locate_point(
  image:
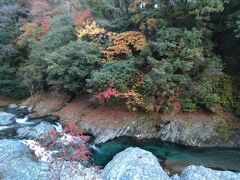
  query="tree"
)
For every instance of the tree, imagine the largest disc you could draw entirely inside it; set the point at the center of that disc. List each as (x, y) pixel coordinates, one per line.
(10, 84)
(112, 74)
(116, 79)
(178, 64)
(70, 65)
(62, 32)
(90, 31)
(10, 21)
(129, 42)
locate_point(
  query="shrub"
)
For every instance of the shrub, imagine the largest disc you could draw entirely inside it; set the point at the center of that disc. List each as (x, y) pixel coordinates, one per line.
(225, 129)
(112, 74)
(70, 65)
(68, 145)
(226, 92)
(188, 105)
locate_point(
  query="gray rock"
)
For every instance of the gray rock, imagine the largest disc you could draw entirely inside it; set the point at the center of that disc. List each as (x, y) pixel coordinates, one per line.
(50, 119)
(201, 173)
(19, 112)
(75, 171)
(8, 131)
(12, 106)
(39, 131)
(16, 162)
(140, 128)
(173, 128)
(6, 119)
(134, 163)
(192, 134)
(196, 133)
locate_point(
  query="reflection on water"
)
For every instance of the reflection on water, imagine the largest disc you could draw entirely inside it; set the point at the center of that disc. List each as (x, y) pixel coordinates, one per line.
(174, 157)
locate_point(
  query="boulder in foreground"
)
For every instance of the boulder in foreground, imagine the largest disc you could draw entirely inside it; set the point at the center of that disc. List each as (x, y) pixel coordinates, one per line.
(134, 163)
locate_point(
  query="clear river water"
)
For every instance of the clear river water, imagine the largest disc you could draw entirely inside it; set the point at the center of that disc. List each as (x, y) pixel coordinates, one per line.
(172, 157)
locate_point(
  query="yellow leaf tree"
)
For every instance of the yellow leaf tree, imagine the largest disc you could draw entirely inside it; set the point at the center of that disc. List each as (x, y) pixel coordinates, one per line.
(124, 43)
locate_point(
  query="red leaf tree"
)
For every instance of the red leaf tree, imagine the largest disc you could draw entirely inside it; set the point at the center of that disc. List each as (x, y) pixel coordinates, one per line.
(82, 16)
(106, 95)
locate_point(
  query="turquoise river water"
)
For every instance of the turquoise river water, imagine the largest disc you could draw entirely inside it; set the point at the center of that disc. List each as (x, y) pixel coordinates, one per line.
(171, 156)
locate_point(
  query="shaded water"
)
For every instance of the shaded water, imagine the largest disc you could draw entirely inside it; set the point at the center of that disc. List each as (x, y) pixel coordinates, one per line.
(173, 157)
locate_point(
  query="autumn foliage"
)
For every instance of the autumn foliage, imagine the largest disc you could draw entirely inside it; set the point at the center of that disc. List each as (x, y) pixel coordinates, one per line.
(91, 31)
(38, 7)
(83, 16)
(29, 30)
(106, 95)
(131, 97)
(72, 144)
(45, 23)
(124, 43)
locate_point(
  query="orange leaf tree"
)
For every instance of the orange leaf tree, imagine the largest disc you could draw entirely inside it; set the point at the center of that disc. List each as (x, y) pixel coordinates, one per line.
(124, 43)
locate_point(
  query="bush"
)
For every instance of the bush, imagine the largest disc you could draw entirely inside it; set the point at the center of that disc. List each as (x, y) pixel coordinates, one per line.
(225, 129)
(117, 74)
(188, 105)
(70, 65)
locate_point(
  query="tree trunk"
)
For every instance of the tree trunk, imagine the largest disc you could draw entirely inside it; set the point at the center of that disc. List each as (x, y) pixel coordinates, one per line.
(122, 4)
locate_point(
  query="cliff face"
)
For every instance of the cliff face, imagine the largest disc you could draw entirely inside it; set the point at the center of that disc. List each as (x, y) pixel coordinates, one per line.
(193, 129)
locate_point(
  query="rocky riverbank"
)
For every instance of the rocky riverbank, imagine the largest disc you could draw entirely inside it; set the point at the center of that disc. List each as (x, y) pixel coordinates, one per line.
(202, 129)
(22, 157)
(17, 161)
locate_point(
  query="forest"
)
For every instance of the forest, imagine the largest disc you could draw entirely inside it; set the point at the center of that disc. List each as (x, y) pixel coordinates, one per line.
(148, 55)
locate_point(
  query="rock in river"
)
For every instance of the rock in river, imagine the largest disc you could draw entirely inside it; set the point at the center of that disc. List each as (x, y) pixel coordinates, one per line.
(39, 131)
(134, 163)
(16, 162)
(6, 119)
(201, 173)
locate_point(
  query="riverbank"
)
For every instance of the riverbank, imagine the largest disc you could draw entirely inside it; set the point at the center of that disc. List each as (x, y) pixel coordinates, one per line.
(23, 156)
(200, 128)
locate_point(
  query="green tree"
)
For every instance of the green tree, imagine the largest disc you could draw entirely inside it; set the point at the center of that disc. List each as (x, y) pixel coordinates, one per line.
(178, 64)
(61, 33)
(70, 65)
(11, 19)
(117, 74)
(10, 84)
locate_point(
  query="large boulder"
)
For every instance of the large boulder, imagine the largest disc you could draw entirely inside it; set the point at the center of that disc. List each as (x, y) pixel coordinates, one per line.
(75, 171)
(201, 173)
(6, 119)
(134, 163)
(40, 131)
(16, 162)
